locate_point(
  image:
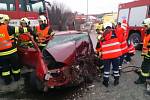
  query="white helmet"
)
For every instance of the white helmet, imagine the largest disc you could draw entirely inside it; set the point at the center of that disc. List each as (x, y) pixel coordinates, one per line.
(6, 18)
(107, 25)
(146, 22)
(3, 18)
(25, 20)
(43, 19)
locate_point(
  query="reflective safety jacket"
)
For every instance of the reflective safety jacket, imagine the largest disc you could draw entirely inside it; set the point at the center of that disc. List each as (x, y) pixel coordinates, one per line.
(120, 32)
(42, 34)
(5, 41)
(146, 45)
(131, 49)
(111, 47)
(17, 30)
(6, 46)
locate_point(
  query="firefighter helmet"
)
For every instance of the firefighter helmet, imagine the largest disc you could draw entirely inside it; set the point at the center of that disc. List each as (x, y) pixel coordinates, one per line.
(107, 25)
(25, 20)
(146, 22)
(2, 18)
(43, 19)
(6, 18)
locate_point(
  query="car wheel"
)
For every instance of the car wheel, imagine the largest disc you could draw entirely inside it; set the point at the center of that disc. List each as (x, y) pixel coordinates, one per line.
(76, 71)
(86, 74)
(35, 83)
(136, 39)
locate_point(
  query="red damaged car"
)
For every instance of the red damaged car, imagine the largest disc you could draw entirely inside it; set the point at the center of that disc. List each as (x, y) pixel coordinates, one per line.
(67, 60)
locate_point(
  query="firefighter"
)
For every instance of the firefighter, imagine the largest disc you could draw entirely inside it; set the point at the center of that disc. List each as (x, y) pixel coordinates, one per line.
(99, 27)
(44, 32)
(24, 32)
(109, 51)
(8, 53)
(120, 32)
(145, 67)
(99, 61)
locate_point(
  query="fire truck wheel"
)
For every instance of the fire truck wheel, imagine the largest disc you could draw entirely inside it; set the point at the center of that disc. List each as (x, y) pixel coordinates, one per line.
(135, 38)
(36, 83)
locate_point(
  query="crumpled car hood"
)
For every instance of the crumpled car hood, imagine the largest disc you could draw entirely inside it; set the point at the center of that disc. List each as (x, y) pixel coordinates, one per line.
(61, 52)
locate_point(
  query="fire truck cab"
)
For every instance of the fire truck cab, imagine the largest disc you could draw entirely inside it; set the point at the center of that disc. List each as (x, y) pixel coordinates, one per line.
(134, 12)
(18, 9)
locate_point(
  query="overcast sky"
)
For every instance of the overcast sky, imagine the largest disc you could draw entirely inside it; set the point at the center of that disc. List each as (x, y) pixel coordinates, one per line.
(95, 6)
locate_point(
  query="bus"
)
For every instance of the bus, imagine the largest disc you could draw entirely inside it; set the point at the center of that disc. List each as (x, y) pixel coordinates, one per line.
(17, 9)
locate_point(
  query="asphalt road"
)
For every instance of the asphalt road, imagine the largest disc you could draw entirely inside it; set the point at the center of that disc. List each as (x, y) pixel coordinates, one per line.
(126, 90)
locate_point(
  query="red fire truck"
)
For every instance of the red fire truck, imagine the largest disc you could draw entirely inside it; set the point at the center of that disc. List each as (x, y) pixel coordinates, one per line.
(134, 12)
(18, 9)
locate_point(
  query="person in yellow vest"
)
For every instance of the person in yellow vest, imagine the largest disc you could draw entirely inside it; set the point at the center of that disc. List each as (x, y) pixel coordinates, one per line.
(22, 31)
(8, 53)
(44, 32)
(99, 28)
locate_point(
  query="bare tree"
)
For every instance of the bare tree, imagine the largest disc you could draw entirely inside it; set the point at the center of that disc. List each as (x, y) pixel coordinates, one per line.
(60, 16)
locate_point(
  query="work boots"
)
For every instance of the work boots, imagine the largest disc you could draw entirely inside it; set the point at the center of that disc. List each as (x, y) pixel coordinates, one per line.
(140, 80)
(116, 81)
(105, 83)
(7, 80)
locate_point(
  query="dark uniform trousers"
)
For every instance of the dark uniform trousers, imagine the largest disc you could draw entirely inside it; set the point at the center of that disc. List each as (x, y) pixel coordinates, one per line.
(145, 67)
(10, 65)
(107, 67)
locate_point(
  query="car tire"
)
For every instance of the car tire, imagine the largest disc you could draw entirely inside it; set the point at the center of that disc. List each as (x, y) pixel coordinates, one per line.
(136, 39)
(78, 76)
(35, 83)
(87, 76)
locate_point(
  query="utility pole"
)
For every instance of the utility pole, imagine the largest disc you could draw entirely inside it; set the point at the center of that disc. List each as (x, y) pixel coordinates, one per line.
(87, 10)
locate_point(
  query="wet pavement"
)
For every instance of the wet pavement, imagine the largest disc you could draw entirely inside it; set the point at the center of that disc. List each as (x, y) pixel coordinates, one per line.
(126, 90)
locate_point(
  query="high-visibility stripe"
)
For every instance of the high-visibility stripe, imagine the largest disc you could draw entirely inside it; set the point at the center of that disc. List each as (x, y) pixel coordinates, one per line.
(116, 72)
(111, 51)
(124, 48)
(25, 29)
(5, 44)
(8, 52)
(42, 44)
(106, 72)
(16, 71)
(112, 44)
(16, 29)
(147, 56)
(145, 74)
(6, 73)
(116, 75)
(133, 51)
(106, 76)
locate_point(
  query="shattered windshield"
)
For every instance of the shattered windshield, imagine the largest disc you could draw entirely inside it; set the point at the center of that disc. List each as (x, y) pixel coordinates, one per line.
(60, 39)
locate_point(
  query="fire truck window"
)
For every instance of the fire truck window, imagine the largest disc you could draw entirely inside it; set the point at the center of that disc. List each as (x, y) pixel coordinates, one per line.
(38, 7)
(22, 5)
(8, 5)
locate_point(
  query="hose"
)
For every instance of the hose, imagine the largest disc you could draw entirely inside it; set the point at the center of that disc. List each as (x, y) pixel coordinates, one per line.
(134, 68)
